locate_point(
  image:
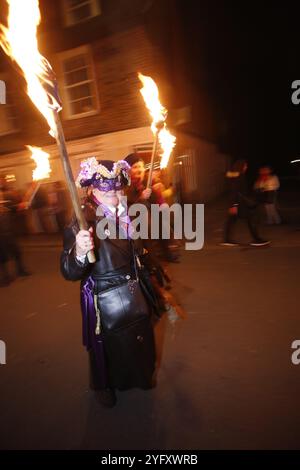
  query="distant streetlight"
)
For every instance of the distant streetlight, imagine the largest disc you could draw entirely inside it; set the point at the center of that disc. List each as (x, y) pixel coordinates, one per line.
(295, 161)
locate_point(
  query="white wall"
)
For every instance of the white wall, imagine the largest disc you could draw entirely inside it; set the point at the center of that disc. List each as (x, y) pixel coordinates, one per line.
(113, 146)
(203, 167)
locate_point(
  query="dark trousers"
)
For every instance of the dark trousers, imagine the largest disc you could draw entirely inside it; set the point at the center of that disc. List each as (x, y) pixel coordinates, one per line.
(249, 217)
(9, 249)
(15, 253)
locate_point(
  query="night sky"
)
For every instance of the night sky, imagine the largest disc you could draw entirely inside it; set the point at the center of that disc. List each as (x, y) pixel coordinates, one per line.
(246, 58)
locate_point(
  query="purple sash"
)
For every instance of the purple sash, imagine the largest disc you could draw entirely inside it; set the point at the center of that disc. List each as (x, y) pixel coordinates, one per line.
(90, 340)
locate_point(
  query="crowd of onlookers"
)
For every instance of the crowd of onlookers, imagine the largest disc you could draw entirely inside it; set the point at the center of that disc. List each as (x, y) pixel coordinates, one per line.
(47, 212)
(23, 214)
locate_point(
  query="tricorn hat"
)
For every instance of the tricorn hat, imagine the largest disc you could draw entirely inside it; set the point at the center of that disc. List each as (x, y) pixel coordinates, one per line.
(104, 175)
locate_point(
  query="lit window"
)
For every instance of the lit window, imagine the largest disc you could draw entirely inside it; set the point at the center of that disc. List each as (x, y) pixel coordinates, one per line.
(79, 87)
(77, 11)
(8, 114)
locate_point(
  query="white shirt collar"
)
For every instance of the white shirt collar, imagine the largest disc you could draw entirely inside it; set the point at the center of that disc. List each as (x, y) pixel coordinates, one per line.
(113, 209)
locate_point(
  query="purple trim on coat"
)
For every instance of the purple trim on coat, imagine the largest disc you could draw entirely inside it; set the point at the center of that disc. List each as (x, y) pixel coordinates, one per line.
(90, 340)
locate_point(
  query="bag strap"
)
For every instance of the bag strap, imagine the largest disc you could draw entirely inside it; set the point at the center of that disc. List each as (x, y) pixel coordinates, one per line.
(135, 261)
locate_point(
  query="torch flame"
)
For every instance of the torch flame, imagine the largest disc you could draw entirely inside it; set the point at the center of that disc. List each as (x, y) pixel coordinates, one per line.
(41, 159)
(151, 97)
(19, 41)
(158, 113)
(167, 142)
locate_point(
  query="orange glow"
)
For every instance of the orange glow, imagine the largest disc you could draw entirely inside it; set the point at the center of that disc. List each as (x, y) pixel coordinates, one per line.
(19, 41)
(158, 113)
(151, 97)
(41, 159)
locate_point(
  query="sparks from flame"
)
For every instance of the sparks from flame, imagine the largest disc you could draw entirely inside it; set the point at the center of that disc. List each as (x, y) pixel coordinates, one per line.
(19, 41)
(158, 113)
(41, 159)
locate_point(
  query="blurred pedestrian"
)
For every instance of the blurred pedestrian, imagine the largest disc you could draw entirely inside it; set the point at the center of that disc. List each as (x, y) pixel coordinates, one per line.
(241, 205)
(40, 208)
(9, 247)
(57, 201)
(267, 186)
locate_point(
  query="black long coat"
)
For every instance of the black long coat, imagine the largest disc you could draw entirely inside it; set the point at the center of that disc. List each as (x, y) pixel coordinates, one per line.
(125, 315)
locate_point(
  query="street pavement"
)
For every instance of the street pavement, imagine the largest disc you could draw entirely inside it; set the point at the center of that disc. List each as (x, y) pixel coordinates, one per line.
(226, 379)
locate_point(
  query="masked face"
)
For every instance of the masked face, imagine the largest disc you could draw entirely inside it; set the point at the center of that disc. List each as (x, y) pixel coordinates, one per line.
(109, 184)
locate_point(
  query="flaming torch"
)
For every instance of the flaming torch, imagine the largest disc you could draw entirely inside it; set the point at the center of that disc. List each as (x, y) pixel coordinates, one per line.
(40, 172)
(19, 41)
(41, 158)
(158, 112)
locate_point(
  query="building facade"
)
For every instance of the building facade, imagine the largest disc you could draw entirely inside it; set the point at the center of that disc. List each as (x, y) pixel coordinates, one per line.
(97, 48)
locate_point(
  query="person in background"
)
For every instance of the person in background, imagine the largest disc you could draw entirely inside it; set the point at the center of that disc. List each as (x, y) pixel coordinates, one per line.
(139, 193)
(241, 205)
(163, 196)
(39, 206)
(58, 204)
(266, 187)
(9, 247)
(158, 187)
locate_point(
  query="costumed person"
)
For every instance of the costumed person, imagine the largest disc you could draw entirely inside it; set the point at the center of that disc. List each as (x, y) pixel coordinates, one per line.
(241, 205)
(139, 193)
(117, 297)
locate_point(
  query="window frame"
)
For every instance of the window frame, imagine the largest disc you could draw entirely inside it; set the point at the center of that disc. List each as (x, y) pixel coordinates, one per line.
(67, 11)
(67, 102)
(8, 92)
